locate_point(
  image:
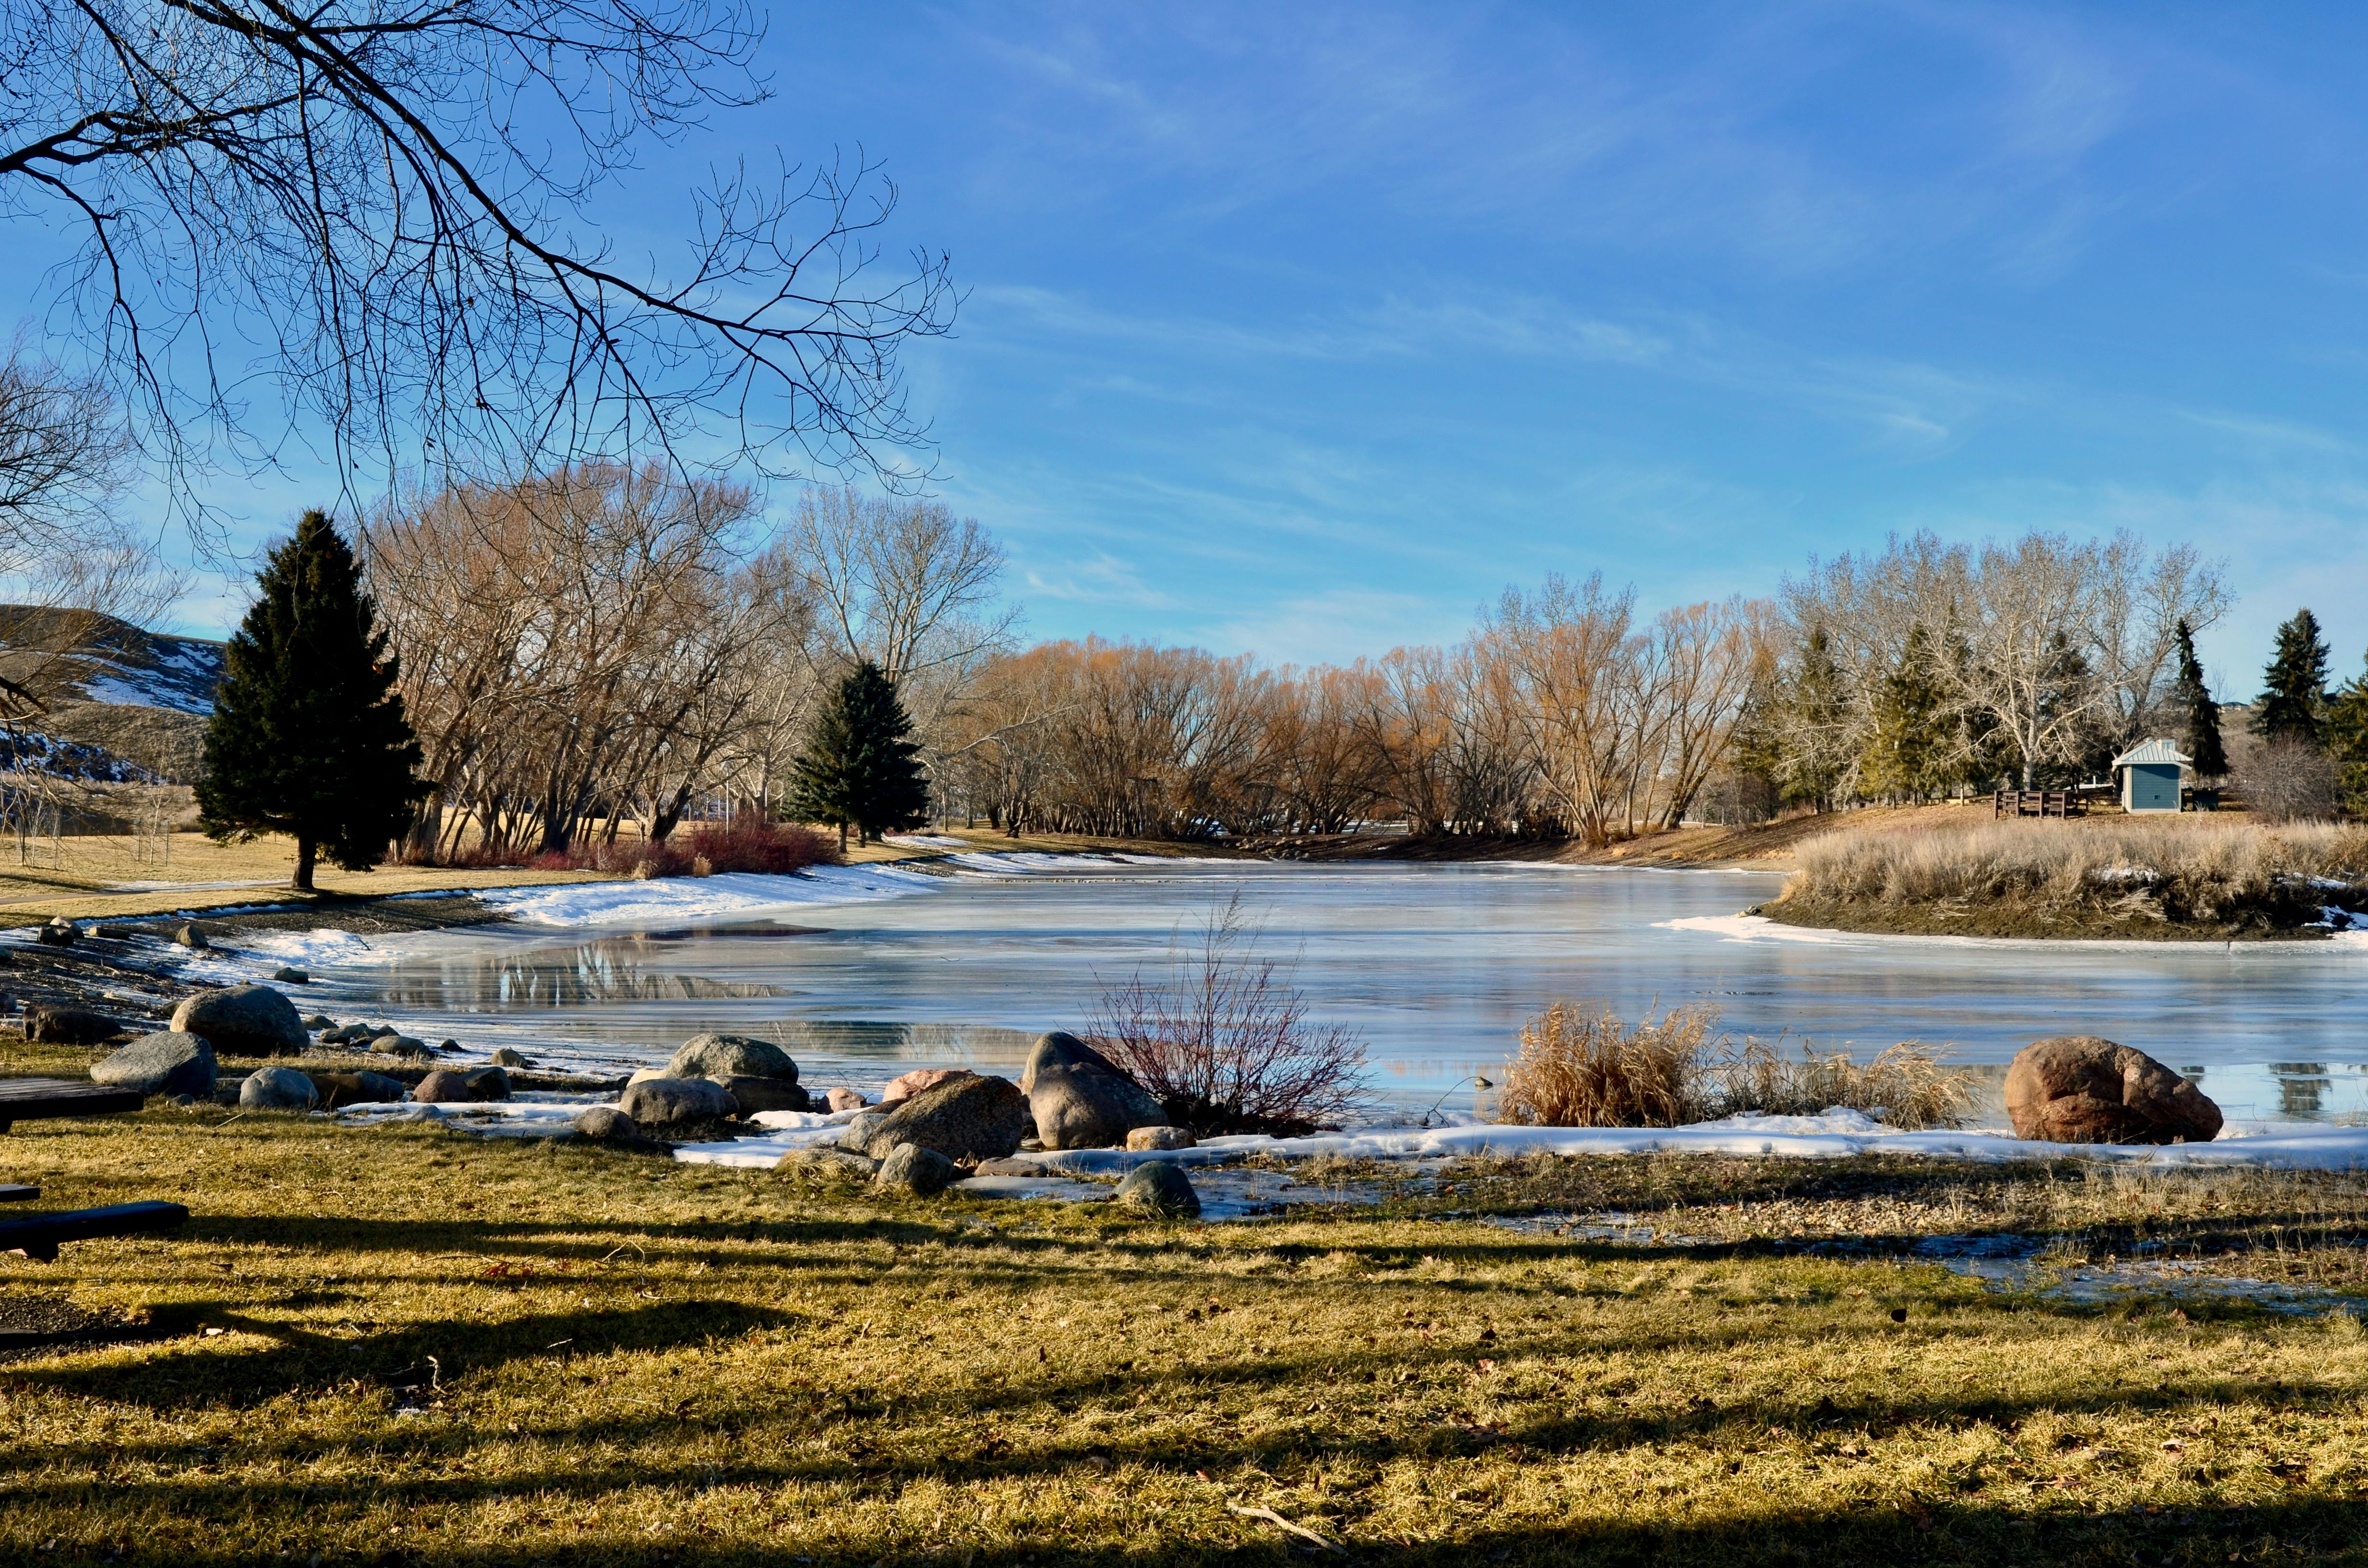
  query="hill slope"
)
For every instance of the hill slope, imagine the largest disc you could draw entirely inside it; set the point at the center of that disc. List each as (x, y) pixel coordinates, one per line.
(69, 656)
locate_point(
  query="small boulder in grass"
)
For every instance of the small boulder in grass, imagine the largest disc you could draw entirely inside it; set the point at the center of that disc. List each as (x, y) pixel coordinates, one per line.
(924, 1172)
(505, 1057)
(47, 1023)
(754, 1094)
(1160, 1189)
(57, 932)
(827, 1164)
(487, 1084)
(277, 1088)
(166, 1062)
(968, 1118)
(442, 1086)
(670, 1102)
(723, 1056)
(399, 1045)
(606, 1124)
(289, 976)
(845, 1099)
(2082, 1089)
(245, 1020)
(1159, 1139)
(340, 1089)
(191, 935)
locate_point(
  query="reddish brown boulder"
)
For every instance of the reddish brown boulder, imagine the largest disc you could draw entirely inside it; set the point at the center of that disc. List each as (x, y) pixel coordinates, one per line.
(920, 1078)
(2081, 1089)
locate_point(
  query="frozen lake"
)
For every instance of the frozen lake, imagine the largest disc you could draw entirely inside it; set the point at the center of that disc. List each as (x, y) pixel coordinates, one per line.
(1437, 966)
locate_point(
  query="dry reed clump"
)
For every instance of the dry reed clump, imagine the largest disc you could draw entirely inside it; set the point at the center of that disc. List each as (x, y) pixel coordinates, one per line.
(2176, 869)
(1581, 1065)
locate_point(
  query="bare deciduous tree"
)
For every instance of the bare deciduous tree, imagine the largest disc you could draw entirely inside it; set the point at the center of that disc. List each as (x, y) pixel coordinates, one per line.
(396, 203)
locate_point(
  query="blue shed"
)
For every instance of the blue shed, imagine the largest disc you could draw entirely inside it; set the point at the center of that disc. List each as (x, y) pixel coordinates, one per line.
(2150, 774)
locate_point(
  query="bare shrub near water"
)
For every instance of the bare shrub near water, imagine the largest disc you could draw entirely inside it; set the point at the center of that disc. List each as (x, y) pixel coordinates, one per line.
(1581, 1065)
(1224, 1042)
(2192, 867)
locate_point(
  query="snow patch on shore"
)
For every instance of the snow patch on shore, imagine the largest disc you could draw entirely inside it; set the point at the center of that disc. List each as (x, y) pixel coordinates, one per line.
(734, 894)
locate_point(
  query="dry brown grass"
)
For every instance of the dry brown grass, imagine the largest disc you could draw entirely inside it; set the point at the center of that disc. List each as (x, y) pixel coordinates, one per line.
(1581, 1065)
(2200, 872)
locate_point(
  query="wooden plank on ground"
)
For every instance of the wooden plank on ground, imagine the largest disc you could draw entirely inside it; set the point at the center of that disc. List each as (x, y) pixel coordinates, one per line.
(40, 1235)
(35, 1099)
(17, 1192)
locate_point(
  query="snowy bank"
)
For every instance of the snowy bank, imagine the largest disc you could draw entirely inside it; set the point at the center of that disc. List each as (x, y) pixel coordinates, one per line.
(736, 894)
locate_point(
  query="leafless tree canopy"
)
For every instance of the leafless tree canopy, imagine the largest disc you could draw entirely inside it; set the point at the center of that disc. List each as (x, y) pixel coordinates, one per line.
(390, 201)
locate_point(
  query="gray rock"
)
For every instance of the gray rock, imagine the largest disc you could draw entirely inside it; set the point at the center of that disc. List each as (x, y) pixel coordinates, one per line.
(1161, 1189)
(858, 1128)
(1160, 1138)
(277, 1088)
(828, 1165)
(669, 1102)
(606, 1124)
(287, 976)
(245, 1020)
(721, 1056)
(399, 1045)
(106, 933)
(1061, 1048)
(1079, 1100)
(965, 1119)
(924, 1172)
(1013, 1167)
(487, 1084)
(57, 932)
(336, 1089)
(163, 1064)
(320, 1022)
(47, 1023)
(505, 1057)
(191, 935)
(765, 1094)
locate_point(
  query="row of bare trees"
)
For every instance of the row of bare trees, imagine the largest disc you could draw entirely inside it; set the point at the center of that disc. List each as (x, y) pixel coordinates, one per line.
(1563, 712)
(1931, 666)
(609, 644)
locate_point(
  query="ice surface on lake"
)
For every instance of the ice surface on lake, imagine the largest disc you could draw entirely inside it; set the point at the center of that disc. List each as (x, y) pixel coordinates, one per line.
(865, 971)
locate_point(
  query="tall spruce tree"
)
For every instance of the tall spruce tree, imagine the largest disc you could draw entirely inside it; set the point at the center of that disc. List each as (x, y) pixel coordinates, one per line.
(2193, 699)
(2294, 695)
(2347, 743)
(309, 736)
(859, 770)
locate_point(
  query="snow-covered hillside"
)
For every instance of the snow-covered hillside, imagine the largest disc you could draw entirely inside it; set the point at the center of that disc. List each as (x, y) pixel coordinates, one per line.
(73, 657)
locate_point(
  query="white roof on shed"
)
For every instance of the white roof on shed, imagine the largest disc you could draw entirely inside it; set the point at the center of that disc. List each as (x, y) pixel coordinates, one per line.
(2151, 751)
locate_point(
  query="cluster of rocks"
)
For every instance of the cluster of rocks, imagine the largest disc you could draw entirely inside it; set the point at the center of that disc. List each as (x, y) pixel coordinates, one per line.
(936, 1124)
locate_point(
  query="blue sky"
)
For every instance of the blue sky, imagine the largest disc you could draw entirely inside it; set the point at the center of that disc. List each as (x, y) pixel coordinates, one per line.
(1302, 330)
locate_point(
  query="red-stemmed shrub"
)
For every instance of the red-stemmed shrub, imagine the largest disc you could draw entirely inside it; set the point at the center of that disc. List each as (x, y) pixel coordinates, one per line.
(753, 843)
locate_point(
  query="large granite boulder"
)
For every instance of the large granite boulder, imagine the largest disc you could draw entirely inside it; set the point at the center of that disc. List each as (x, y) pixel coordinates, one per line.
(721, 1056)
(669, 1102)
(277, 1088)
(245, 1020)
(924, 1172)
(765, 1094)
(1160, 1189)
(338, 1089)
(965, 1119)
(856, 1132)
(1080, 1099)
(47, 1023)
(166, 1062)
(2081, 1089)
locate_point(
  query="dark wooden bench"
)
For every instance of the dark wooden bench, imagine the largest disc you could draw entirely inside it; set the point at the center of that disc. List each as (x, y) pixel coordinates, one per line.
(36, 1099)
(40, 1235)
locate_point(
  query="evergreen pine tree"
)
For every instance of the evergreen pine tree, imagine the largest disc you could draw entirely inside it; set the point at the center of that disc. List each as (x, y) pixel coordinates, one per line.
(1813, 721)
(308, 736)
(1906, 746)
(859, 770)
(2203, 715)
(2294, 699)
(2347, 742)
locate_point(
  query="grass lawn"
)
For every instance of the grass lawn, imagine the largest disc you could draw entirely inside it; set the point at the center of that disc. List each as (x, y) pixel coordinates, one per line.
(405, 1345)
